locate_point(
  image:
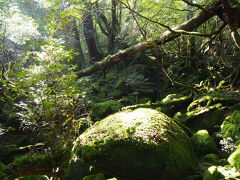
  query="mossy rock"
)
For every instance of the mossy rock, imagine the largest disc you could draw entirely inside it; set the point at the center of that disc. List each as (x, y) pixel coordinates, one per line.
(138, 144)
(211, 158)
(116, 94)
(211, 173)
(2, 166)
(203, 143)
(78, 169)
(127, 100)
(174, 103)
(98, 176)
(169, 105)
(209, 120)
(210, 99)
(102, 109)
(34, 178)
(231, 126)
(234, 158)
(28, 165)
(144, 100)
(234, 107)
(207, 111)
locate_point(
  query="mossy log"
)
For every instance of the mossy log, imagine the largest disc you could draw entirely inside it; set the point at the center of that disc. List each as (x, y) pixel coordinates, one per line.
(169, 105)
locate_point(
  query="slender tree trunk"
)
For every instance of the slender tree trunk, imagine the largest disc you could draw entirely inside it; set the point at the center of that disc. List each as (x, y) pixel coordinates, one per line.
(79, 58)
(90, 33)
(72, 41)
(188, 49)
(111, 29)
(114, 28)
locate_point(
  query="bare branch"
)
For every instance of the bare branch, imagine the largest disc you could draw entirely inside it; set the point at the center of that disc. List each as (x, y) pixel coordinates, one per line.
(180, 31)
(167, 36)
(194, 4)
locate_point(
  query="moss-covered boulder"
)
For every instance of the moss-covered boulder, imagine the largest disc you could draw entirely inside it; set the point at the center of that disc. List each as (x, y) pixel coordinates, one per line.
(208, 110)
(231, 126)
(203, 143)
(138, 144)
(234, 158)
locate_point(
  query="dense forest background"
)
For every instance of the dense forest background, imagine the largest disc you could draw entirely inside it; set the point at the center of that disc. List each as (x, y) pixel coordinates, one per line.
(169, 68)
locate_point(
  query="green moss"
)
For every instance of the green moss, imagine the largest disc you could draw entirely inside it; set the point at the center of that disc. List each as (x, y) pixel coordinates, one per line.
(234, 158)
(34, 178)
(98, 176)
(127, 100)
(203, 143)
(77, 169)
(140, 144)
(220, 172)
(39, 164)
(101, 110)
(211, 173)
(2, 165)
(172, 98)
(168, 105)
(144, 100)
(223, 162)
(207, 111)
(209, 99)
(230, 126)
(211, 158)
(209, 119)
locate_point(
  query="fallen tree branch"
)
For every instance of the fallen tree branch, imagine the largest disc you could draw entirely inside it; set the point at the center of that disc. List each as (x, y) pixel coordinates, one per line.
(167, 36)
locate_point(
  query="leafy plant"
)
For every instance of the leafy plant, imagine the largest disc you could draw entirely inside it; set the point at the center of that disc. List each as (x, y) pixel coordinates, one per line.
(52, 101)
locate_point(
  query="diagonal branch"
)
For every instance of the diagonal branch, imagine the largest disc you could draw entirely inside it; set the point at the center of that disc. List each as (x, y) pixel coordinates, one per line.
(167, 36)
(194, 4)
(180, 31)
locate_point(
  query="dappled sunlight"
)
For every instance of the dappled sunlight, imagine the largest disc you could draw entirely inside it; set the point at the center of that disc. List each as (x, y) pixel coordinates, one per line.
(119, 89)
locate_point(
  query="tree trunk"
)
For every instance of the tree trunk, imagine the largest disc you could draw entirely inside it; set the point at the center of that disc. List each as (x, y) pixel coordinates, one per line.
(72, 41)
(90, 33)
(79, 58)
(112, 28)
(115, 26)
(167, 36)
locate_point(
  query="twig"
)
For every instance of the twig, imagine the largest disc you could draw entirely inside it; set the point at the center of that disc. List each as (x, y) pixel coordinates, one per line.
(135, 19)
(194, 4)
(171, 29)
